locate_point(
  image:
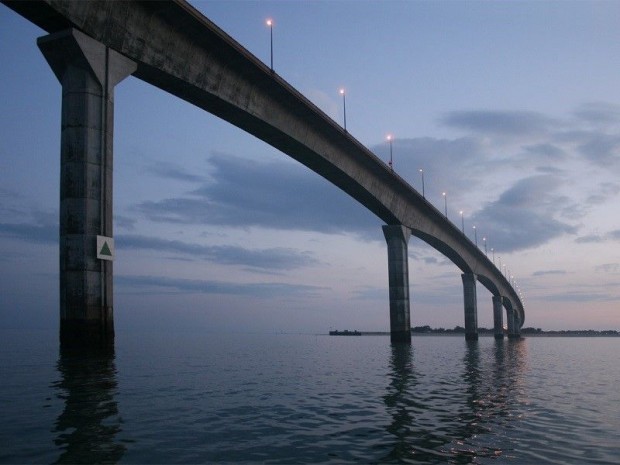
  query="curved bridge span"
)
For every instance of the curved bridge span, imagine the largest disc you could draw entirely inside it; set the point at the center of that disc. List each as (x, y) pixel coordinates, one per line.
(94, 45)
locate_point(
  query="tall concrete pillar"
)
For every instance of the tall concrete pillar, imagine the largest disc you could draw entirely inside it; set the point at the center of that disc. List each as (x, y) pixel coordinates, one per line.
(498, 322)
(397, 237)
(511, 317)
(517, 324)
(88, 72)
(471, 306)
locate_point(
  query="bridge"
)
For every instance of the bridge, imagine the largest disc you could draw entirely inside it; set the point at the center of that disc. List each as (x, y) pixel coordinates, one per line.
(94, 45)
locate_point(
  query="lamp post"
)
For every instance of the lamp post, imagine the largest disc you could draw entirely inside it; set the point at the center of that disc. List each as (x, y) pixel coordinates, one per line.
(493, 252)
(484, 239)
(462, 222)
(269, 23)
(445, 203)
(389, 139)
(476, 235)
(422, 174)
(344, 108)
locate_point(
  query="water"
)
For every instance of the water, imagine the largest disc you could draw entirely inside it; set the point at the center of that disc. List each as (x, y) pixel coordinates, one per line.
(277, 398)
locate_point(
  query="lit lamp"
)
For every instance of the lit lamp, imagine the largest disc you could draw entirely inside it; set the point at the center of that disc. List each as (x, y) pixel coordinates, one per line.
(422, 174)
(445, 203)
(389, 139)
(344, 107)
(269, 23)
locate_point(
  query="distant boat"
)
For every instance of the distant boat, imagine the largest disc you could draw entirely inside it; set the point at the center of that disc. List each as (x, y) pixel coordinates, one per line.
(346, 332)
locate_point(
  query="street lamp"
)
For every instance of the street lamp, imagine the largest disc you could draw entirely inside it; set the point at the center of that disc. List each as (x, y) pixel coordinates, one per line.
(484, 239)
(476, 235)
(422, 174)
(269, 23)
(445, 203)
(344, 108)
(493, 252)
(389, 139)
(462, 222)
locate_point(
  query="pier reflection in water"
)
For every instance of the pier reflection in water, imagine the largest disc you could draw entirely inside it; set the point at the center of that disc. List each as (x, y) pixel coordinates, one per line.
(86, 430)
(453, 419)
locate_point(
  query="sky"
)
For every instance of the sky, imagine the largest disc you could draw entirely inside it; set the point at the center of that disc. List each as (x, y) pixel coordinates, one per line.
(511, 108)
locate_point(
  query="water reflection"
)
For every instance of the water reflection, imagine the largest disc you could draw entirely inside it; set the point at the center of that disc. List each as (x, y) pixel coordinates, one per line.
(452, 414)
(492, 380)
(399, 403)
(86, 429)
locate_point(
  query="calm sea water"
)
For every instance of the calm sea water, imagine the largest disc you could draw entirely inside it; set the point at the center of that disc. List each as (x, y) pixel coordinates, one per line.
(289, 399)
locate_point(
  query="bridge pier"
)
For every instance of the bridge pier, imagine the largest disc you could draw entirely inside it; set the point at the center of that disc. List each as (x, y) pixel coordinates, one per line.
(397, 237)
(471, 306)
(517, 325)
(512, 324)
(88, 72)
(498, 323)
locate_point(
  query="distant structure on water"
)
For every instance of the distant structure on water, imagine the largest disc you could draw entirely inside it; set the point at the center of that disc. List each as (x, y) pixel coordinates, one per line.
(346, 332)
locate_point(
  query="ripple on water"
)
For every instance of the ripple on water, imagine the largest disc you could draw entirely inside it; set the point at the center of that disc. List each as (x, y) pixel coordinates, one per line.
(304, 399)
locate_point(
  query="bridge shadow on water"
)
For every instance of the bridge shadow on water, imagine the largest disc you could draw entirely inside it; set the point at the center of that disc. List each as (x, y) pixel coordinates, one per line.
(87, 428)
(453, 418)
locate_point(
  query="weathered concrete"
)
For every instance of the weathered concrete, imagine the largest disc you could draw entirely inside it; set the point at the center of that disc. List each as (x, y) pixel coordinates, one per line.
(471, 306)
(180, 51)
(511, 322)
(88, 72)
(517, 325)
(498, 321)
(397, 238)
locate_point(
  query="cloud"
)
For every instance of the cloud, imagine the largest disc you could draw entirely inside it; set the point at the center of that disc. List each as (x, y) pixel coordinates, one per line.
(601, 149)
(155, 284)
(546, 151)
(274, 195)
(608, 268)
(596, 238)
(549, 272)
(522, 217)
(598, 113)
(499, 123)
(605, 190)
(589, 239)
(38, 234)
(281, 259)
(125, 222)
(171, 171)
(371, 293)
(592, 135)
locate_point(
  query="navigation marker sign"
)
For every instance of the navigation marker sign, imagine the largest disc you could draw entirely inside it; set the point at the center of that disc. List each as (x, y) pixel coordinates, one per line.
(105, 248)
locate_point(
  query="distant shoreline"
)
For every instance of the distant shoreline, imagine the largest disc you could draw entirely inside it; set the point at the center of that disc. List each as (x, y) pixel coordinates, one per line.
(484, 332)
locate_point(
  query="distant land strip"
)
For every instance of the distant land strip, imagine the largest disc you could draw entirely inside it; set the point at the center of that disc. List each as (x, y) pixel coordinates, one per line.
(459, 330)
(528, 331)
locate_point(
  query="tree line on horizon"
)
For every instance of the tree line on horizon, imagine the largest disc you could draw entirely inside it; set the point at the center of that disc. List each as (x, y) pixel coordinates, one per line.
(528, 330)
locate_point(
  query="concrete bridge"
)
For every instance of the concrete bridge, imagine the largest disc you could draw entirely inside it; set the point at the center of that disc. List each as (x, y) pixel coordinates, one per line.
(94, 45)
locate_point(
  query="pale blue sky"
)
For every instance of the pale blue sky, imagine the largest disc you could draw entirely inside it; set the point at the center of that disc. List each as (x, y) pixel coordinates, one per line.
(513, 108)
